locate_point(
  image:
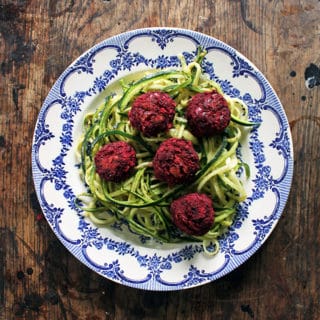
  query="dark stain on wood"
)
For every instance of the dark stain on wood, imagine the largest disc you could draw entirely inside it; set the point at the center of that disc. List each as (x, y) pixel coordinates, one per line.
(314, 119)
(58, 8)
(293, 73)
(34, 203)
(20, 275)
(312, 76)
(244, 6)
(15, 93)
(2, 142)
(247, 309)
(33, 301)
(29, 271)
(12, 28)
(30, 302)
(52, 296)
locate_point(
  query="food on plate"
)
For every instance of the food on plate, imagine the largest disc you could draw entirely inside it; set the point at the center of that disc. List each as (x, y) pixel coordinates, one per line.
(193, 213)
(161, 155)
(152, 113)
(175, 161)
(115, 161)
(208, 113)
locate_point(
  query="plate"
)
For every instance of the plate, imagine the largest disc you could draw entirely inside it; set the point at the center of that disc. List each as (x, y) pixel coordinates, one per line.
(113, 252)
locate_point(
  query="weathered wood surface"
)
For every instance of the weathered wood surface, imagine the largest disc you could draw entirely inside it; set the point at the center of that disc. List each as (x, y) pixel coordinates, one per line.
(39, 278)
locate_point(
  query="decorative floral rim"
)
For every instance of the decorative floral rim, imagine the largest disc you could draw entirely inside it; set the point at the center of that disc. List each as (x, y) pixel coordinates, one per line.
(125, 258)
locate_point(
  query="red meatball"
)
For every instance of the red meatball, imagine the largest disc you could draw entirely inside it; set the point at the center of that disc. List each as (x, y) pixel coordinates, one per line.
(115, 161)
(152, 113)
(207, 114)
(193, 213)
(176, 161)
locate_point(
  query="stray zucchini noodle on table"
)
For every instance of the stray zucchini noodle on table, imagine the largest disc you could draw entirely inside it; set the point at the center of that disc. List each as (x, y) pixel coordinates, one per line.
(161, 157)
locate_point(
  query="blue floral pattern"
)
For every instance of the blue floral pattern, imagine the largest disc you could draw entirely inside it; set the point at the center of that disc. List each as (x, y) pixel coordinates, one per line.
(156, 267)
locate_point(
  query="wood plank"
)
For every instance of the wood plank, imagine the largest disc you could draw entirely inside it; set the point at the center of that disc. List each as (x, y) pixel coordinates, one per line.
(39, 278)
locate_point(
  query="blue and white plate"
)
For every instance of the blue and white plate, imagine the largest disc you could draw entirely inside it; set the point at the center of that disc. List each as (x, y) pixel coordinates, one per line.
(115, 253)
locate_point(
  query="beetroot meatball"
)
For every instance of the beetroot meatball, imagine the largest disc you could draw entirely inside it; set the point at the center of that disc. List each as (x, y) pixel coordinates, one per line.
(152, 113)
(207, 114)
(193, 213)
(176, 161)
(115, 161)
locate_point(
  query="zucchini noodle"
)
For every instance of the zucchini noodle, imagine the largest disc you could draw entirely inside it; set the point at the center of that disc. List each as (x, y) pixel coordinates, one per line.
(142, 201)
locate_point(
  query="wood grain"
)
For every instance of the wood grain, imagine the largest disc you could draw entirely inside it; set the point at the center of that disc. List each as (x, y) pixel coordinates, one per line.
(39, 278)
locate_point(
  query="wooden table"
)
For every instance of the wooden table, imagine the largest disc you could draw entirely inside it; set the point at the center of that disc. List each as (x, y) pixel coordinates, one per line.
(39, 278)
